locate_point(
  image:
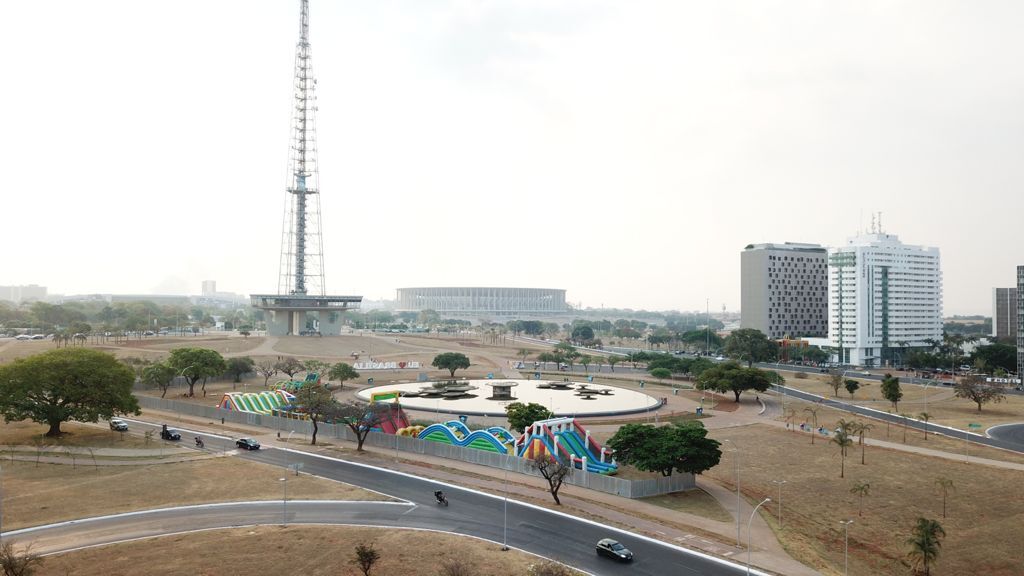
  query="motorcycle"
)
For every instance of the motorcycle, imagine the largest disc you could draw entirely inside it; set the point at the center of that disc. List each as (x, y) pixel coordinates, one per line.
(199, 443)
(441, 498)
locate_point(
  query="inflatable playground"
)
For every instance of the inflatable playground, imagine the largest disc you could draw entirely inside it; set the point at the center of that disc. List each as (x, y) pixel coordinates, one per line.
(266, 402)
(295, 385)
(394, 421)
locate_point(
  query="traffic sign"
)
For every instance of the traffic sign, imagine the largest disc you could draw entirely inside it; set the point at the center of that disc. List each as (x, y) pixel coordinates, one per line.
(973, 425)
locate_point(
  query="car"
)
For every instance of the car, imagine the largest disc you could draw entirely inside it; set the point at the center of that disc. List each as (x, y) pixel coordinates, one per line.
(148, 333)
(719, 358)
(39, 337)
(613, 549)
(118, 425)
(168, 434)
(22, 337)
(247, 444)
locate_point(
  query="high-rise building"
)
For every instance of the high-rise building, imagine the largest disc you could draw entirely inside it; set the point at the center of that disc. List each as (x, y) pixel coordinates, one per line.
(1020, 322)
(1004, 312)
(209, 287)
(784, 289)
(885, 297)
(18, 294)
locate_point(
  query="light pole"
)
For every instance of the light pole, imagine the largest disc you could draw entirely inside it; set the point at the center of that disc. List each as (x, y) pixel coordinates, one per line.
(181, 374)
(846, 545)
(779, 483)
(504, 538)
(707, 330)
(736, 450)
(284, 501)
(286, 441)
(749, 523)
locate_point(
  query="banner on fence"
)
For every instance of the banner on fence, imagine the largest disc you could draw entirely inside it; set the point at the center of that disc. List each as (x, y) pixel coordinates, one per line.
(385, 365)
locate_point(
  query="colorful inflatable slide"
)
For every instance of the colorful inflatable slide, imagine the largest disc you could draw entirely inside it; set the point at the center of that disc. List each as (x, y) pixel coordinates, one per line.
(494, 439)
(567, 441)
(258, 402)
(395, 419)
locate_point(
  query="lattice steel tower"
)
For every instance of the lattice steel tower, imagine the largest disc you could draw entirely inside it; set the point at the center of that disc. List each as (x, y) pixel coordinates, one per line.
(302, 255)
(300, 305)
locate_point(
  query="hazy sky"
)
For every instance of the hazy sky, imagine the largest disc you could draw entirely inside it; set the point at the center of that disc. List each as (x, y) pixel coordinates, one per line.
(625, 151)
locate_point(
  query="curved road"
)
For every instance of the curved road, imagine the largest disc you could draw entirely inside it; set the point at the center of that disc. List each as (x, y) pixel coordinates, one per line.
(531, 528)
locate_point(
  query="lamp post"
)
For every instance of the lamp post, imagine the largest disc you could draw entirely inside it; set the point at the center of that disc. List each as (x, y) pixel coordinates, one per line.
(504, 538)
(736, 450)
(779, 483)
(286, 440)
(749, 523)
(284, 500)
(181, 374)
(846, 545)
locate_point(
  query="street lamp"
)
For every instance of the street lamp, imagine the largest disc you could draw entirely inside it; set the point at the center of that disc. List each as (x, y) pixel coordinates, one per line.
(284, 501)
(749, 522)
(181, 373)
(286, 441)
(846, 545)
(504, 539)
(780, 483)
(736, 450)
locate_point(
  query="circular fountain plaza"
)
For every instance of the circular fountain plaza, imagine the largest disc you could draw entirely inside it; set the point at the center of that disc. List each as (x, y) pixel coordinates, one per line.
(489, 397)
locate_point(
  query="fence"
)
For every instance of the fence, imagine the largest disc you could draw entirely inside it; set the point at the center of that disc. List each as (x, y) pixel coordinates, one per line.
(608, 484)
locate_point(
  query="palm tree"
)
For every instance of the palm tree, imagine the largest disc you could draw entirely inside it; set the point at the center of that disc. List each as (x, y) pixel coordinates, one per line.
(860, 429)
(814, 418)
(861, 489)
(906, 418)
(924, 544)
(789, 416)
(843, 440)
(926, 417)
(944, 484)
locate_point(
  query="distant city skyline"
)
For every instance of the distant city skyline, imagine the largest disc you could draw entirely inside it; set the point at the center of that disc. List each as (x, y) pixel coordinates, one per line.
(624, 152)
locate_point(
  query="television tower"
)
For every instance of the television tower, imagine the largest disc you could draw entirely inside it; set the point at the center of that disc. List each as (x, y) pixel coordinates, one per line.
(301, 305)
(302, 258)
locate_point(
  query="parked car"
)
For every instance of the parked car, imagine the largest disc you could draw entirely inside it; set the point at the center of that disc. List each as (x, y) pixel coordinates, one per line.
(39, 337)
(613, 549)
(168, 434)
(247, 444)
(118, 425)
(22, 337)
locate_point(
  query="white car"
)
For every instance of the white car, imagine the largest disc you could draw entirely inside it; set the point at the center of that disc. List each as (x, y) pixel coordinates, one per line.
(118, 425)
(22, 337)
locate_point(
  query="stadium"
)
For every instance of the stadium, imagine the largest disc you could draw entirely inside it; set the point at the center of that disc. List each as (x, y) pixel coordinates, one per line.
(484, 302)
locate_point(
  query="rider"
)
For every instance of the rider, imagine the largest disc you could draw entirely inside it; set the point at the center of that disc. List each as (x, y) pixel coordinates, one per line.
(199, 441)
(439, 495)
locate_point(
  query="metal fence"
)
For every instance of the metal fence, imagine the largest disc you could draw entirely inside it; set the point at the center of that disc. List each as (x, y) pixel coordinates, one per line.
(609, 484)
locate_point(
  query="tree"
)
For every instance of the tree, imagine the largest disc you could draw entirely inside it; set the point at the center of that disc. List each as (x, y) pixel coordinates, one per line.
(945, 485)
(861, 429)
(582, 334)
(996, 356)
(585, 360)
(365, 557)
(731, 377)
(159, 375)
(316, 401)
(925, 417)
(924, 544)
(290, 366)
(16, 562)
(891, 390)
(682, 447)
(861, 489)
(835, 381)
(568, 352)
(196, 363)
(613, 360)
(843, 440)
(523, 353)
(851, 386)
(813, 411)
(66, 384)
(750, 345)
(240, 365)
(976, 389)
(661, 373)
(317, 367)
(521, 416)
(553, 470)
(361, 419)
(267, 369)
(450, 361)
(342, 372)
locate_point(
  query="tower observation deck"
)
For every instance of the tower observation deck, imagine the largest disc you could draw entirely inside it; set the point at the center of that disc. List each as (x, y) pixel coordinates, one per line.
(301, 304)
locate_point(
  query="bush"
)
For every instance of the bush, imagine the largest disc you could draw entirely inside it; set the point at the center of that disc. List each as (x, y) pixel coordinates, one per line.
(800, 375)
(550, 568)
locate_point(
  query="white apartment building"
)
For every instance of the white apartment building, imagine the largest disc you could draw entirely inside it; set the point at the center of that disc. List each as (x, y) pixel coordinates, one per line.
(885, 297)
(784, 290)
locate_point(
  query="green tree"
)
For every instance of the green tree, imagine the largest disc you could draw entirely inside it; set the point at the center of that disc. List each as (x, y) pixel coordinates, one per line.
(159, 375)
(582, 334)
(750, 345)
(196, 363)
(925, 544)
(861, 429)
(851, 386)
(365, 557)
(520, 415)
(523, 353)
(861, 489)
(924, 416)
(613, 360)
(731, 377)
(342, 372)
(318, 403)
(891, 390)
(843, 441)
(450, 361)
(66, 384)
(661, 373)
(977, 390)
(240, 365)
(585, 360)
(945, 485)
(568, 352)
(996, 356)
(682, 447)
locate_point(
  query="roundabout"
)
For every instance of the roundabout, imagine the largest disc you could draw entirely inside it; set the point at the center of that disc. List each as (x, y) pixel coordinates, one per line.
(490, 397)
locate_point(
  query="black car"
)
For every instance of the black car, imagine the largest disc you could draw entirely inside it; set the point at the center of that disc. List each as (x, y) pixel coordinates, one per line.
(247, 443)
(168, 434)
(613, 549)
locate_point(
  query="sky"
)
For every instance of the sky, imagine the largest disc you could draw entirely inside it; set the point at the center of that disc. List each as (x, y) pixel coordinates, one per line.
(624, 151)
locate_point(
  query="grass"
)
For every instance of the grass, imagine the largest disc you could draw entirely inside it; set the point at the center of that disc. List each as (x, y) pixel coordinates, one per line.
(983, 519)
(697, 502)
(45, 493)
(77, 435)
(307, 550)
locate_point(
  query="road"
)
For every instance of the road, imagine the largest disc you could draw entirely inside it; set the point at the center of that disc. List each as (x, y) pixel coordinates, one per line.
(531, 528)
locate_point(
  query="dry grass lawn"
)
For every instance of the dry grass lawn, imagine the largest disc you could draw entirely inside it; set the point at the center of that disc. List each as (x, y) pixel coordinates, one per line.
(45, 493)
(307, 550)
(697, 502)
(984, 510)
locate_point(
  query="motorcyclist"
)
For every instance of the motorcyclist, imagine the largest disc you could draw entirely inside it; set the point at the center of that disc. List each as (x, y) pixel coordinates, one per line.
(199, 442)
(439, 495)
